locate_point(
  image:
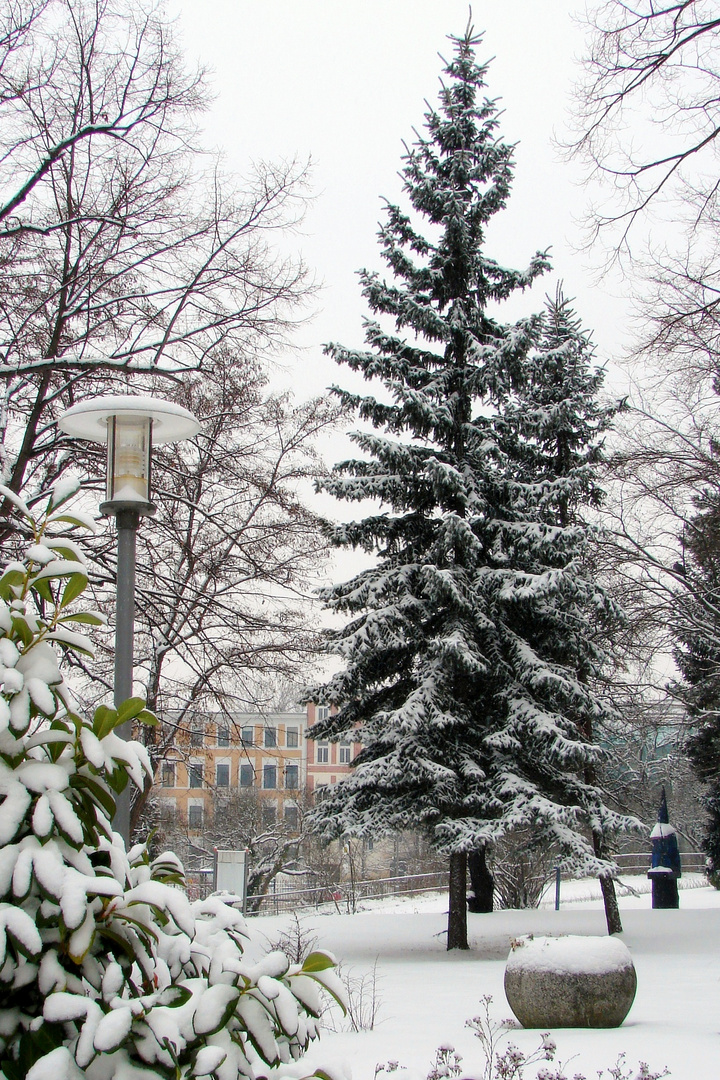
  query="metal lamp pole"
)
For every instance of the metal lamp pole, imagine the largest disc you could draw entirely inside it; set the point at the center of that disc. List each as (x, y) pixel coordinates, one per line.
(127, 522)
(129, 425)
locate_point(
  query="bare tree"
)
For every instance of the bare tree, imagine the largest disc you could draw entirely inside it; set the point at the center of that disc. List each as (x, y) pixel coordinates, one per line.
(128, 260)
(238, 821)
(228, 568)
(123, 248)
(649, 108)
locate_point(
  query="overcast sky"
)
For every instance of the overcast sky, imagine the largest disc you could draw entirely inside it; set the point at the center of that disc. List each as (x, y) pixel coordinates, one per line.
(343, 82)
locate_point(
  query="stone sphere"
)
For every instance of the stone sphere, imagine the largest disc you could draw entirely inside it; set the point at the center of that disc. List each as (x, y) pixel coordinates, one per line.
(570, 981)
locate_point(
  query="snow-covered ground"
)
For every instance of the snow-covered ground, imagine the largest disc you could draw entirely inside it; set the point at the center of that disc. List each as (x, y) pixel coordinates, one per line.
(426, 994)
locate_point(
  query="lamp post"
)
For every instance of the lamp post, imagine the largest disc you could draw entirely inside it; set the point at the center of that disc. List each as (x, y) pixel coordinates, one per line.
(129, 425)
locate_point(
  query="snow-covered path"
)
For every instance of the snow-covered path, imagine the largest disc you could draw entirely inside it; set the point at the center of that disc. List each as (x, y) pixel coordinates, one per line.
(427, 994)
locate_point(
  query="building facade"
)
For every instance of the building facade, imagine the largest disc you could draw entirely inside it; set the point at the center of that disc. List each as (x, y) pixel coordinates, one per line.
(270, 755)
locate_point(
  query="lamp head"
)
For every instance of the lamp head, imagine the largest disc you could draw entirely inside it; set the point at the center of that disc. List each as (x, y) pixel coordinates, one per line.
(129, 425)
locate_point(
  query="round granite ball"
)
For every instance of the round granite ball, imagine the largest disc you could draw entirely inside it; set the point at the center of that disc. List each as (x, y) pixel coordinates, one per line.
(570, 981)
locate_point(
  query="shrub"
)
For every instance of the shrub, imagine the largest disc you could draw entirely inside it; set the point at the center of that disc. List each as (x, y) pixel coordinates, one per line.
(106, 970)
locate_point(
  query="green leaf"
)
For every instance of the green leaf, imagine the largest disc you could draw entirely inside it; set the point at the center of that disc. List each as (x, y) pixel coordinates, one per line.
(63, 551)
(11, 579)
(87, 617)
(148, 718)
(129, 709)
(42, 587)
(316, 961)
(96, 791)
(76, 585)
(174, 996)
(22, 630)
(104, 720)
(118, 779)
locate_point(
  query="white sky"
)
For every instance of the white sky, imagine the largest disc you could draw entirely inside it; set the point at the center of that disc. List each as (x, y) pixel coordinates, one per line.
(343, 82)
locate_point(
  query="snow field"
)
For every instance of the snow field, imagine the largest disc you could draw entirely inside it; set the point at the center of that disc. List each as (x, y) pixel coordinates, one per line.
(426, 994)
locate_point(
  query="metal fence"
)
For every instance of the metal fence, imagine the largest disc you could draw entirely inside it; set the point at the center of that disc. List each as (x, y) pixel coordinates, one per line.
(284, 897)
(345, 896)
(638, 862)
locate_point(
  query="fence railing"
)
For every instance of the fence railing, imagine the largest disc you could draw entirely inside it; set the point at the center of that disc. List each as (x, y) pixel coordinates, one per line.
(344, 896)
(638, 862)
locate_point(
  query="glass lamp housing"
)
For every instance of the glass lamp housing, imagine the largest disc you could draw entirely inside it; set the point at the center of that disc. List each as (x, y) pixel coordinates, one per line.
(129, 444)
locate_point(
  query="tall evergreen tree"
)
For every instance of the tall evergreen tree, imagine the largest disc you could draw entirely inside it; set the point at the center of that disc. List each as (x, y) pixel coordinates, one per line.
(469, 655)
(697, 655)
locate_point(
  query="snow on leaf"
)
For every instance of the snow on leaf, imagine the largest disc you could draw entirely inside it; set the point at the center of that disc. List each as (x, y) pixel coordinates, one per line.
(75, 517)
(63, 489)
(42, 776)
(92, 748)
(257, 1021)
(39, 553)
(22, 874)
(22, 929)
(49, 867)
(9, 653)
(67, 820)
(62, 1007)
(112, 1030)
(12, 811)
(85, 1050)
(208, 1059)
(82, 938)
(57, 1065)
(216, 1006)
(41, 696)
(17, 502)
(40, 662)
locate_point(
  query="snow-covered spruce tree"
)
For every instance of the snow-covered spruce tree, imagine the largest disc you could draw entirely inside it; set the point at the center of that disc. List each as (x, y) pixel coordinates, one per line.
(557, 627)
(474, 629)
(106, 971)
(697, 632)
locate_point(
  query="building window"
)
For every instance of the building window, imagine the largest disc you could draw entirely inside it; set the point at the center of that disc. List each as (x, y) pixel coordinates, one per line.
(291, 737)
(344, 753)
(269, 814)
(222, 775)
(195, 774)
(291, 817)
(322, 712)
(292, 774)
(247, 776)
(223, 737)
(322, 792)
(246, 736)
(197, 736)
(168, 774)
(323, 754)
(270, 738)
(195, 816)
(269, 776)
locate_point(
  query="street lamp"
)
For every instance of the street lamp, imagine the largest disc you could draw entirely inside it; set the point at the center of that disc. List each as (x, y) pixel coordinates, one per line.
(129, 425)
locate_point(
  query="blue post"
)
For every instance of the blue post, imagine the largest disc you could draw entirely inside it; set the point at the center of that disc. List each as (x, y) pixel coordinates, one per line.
(557, 888)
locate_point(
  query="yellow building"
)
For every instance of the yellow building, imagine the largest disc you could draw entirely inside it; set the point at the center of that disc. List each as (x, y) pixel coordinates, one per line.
(217, 755)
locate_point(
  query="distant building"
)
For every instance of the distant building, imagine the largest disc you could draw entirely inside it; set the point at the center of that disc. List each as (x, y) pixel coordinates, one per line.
(269, 754)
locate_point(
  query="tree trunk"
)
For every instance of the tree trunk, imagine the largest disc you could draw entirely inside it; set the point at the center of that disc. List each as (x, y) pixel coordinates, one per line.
(457, 912)
(607, 885)
(481, 881)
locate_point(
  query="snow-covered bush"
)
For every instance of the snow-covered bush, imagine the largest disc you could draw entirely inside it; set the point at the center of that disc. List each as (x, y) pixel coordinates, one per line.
(106, 970)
